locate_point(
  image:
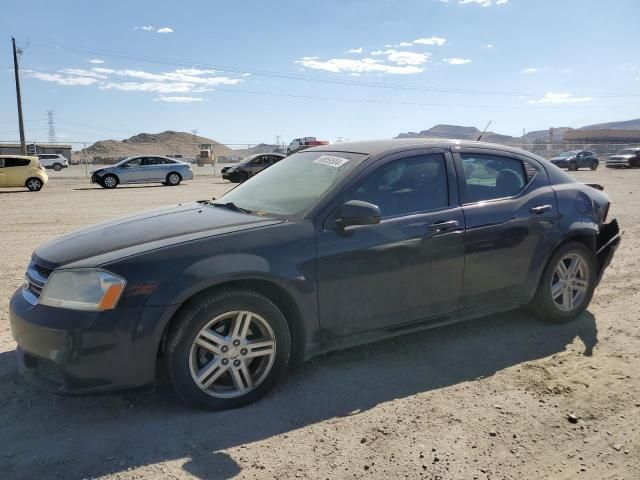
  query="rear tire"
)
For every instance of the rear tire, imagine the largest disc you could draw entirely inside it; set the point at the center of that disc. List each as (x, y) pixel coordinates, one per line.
(173, 179)
(57, 167)
(227, 349)
(109, 181)
(594, 165)
(34, 184)
(567, 284)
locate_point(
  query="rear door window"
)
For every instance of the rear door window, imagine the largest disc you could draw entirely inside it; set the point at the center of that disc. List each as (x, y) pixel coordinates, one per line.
(487, 177)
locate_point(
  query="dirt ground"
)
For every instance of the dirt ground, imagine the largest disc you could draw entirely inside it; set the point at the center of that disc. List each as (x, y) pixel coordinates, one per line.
(486, 399)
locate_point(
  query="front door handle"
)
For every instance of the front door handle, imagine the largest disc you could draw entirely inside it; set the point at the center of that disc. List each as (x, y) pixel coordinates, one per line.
(538, 209)
(443, 226)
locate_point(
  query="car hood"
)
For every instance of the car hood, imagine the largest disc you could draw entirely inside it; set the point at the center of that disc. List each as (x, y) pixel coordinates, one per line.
(147, 231)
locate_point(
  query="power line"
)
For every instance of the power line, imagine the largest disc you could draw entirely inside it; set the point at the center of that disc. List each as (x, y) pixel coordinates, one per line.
(384, 102)
(307, 78)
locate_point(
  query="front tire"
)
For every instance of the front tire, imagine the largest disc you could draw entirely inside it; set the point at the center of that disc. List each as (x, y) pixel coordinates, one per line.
(34, 184)
(227, 349)
(57, 167)
(567, 284)
(109, 181)
(594, 165)
(573, 166)
(173, 179)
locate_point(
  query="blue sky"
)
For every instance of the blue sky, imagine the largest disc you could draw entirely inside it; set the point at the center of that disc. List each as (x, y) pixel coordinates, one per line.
(245, 71)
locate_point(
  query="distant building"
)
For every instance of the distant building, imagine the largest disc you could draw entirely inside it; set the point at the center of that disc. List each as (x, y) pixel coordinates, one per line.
(602, 136)
(36, 149)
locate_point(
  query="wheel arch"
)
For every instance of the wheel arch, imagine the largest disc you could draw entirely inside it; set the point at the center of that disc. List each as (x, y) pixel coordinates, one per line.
(176, 172)
(272, 290)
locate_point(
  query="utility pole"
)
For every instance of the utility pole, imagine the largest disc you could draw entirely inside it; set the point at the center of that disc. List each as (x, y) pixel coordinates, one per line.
(194, 132)
(278, 140)
(16, 51)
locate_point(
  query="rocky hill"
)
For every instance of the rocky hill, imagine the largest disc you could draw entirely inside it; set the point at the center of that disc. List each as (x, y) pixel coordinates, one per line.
(164, 143)
(471, 133)
(458, 132)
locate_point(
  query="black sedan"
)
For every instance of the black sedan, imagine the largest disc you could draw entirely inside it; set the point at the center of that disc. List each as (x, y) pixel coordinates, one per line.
(575, 159)
(331, 247)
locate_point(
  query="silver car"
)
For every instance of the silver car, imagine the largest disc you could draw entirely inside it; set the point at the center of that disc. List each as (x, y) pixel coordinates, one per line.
(143, 169)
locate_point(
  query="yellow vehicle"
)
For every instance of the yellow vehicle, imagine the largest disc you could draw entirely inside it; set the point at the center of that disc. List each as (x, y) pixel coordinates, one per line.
(22, 171)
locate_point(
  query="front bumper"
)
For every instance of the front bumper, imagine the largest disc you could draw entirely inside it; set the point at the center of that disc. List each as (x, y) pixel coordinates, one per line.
(75, 352)
(618, 164)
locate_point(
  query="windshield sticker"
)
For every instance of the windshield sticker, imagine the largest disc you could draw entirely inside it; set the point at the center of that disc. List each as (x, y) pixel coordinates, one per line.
(331, 161)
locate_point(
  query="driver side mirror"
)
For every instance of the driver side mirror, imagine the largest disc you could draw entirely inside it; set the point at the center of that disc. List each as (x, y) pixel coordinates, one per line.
(357, 212)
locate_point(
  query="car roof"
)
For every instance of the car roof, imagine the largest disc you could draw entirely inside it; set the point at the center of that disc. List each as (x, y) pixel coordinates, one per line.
(372, 147)
(30, 157)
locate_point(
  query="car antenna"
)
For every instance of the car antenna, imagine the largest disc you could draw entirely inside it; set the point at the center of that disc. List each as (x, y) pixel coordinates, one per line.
(485, 129)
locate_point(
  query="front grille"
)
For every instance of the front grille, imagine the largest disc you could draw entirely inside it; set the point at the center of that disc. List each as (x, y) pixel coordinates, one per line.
(37, 276)
(43, 367)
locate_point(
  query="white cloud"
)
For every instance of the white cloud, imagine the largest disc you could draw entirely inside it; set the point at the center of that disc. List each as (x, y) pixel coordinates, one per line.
(484, 3)
(355, 50)
(146, 28)
(245, 75)
(162, 98)
(530, 70)
(559, 98)
(403, 58)
(489, 45)
(404, 44)
(439, 41)
(184, 80)
(165, 30)
(80, 72)
(364, 65)
(457, 61)
(65, 80)
(566, 70)
(102, 70)
(96, 61)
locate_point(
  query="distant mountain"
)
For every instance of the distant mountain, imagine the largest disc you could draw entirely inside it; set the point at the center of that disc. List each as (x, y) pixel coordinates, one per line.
(458, 132)
(625, 125)
(164, 143)
(471, 133)
(260, 148)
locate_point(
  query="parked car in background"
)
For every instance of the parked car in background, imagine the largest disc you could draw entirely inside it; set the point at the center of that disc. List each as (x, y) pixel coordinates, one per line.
(250, 166)
(143, 169)
(575, 159)
(303, 143)
(627, 158)
(55, 161)
(22, 171)
(331, 247)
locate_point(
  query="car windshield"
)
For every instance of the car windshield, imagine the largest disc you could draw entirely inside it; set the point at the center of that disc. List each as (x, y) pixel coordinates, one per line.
(307, 176)
(568, 154)
(248, 159)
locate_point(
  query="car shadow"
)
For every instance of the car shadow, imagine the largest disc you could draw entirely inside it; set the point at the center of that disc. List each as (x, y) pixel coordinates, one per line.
(80, 437)
(123, 187)
(24, 190)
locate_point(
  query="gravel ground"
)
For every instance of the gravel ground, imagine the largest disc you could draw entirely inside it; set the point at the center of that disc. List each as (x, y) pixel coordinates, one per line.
(486, 399)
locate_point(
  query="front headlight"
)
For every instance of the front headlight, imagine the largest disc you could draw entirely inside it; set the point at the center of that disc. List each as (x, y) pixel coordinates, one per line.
(82, 289)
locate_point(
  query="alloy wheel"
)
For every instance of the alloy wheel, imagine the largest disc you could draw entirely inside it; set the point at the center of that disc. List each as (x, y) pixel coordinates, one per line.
(34, 184)
(570, 282)
(174, 179)
(109, 181)
(232, 354)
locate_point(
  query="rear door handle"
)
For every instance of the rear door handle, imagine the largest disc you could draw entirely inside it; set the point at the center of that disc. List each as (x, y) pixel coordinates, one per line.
(443, 226)
(540, 209)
